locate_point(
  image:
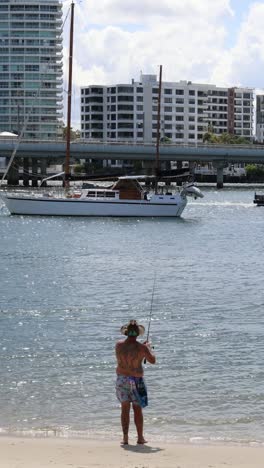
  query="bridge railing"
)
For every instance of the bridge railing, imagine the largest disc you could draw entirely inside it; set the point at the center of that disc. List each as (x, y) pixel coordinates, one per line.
(81, 141)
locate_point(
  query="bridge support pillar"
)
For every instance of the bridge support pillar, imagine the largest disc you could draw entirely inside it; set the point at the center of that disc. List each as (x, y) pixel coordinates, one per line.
(149, 167)
(220, 177)
(192, 165)
(179, 164)
(13, 175)
(34, 172)
(219, 166)
(26, 172)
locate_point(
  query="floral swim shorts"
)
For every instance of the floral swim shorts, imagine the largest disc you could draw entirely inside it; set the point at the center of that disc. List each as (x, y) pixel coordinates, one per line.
(131, 389)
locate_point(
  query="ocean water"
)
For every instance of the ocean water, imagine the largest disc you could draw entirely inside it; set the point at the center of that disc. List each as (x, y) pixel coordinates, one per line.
(66, 287)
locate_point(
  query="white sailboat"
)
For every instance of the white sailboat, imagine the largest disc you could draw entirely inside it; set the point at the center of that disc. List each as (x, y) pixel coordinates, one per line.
(126, 197)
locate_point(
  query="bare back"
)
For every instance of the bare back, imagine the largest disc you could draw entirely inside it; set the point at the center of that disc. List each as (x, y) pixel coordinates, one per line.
(129, 355)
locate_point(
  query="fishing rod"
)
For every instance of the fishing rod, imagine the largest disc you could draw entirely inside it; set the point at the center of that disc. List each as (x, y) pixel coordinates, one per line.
(151, 307)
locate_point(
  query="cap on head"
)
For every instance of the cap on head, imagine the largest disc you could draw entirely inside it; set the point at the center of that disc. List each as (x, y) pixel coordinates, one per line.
(132, 329)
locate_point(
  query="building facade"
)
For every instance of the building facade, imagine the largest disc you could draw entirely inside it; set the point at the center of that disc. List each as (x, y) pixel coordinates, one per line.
(260, 118)
(31, 80)
(129, 112)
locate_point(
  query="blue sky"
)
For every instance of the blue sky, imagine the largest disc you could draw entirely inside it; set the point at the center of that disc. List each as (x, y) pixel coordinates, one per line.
(240, 8)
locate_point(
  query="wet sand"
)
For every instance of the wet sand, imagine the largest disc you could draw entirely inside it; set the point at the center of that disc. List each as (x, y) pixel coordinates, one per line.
(65, 453)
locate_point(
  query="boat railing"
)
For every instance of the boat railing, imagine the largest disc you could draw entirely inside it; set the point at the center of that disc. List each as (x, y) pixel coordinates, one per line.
(33, 191)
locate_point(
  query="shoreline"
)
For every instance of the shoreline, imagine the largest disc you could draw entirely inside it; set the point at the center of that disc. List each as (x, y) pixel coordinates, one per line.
(26, 452)
(116, 435)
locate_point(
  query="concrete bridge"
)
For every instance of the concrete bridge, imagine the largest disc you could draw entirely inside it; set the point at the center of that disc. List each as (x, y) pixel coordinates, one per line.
(219, 155)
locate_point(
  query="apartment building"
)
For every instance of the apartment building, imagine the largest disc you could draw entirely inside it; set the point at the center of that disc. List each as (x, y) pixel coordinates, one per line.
(129, 112)
(31, 76)
(260, 118)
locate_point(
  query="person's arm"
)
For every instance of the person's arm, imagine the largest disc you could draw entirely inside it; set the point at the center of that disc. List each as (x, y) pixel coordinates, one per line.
(149, 355)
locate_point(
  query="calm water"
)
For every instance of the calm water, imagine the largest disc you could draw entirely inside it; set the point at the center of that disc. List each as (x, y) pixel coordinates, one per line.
(67, 285)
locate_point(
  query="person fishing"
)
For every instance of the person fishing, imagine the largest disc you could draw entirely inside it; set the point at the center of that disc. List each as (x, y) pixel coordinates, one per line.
(130, 385)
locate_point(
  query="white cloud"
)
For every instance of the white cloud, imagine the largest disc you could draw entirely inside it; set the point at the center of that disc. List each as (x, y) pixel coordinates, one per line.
(143, 11)
(117, 39)
(185, 36)
(243, 64)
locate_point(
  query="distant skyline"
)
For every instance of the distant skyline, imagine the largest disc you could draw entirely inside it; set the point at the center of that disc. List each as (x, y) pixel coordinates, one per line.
(219, 42)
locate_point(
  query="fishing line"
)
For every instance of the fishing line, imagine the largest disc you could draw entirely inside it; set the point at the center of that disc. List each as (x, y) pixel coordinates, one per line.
(151, 308)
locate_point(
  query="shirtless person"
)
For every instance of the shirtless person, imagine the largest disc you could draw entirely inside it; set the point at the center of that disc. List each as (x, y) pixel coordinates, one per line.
(130, 386)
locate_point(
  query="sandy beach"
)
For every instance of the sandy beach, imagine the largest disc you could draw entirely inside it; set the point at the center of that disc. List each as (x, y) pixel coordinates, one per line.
(64, 453)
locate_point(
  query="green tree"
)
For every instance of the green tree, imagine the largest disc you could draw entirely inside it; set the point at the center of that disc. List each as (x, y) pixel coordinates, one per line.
(210, 137)
(75, 134)
(165, 140)
(79, 168)
(224, 138)
(255, 172)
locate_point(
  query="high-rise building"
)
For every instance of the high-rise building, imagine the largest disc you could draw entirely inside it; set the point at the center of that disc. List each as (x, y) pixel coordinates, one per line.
(260, 118)
(129, 112)
(31, 77)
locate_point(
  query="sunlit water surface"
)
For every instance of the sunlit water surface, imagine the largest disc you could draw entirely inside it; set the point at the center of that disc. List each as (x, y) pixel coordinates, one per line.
(67, 285)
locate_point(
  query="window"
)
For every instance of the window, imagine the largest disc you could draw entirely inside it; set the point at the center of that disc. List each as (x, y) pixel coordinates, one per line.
(179, 91)
(167, 91)
(125, 89)
(110, 194)
(128, 98)
(97, 90)
(124, 107)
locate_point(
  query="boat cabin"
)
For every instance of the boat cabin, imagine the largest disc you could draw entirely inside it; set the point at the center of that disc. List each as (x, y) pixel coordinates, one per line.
(259, 199)
(129, 188)
(125, 188)
(100, 193)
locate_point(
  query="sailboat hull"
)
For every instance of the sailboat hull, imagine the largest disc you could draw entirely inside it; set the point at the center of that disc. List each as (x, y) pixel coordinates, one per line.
(43, 206)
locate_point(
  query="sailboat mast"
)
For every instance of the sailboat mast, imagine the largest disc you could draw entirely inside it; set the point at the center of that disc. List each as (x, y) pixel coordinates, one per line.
(157, 163)
(68, 128)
